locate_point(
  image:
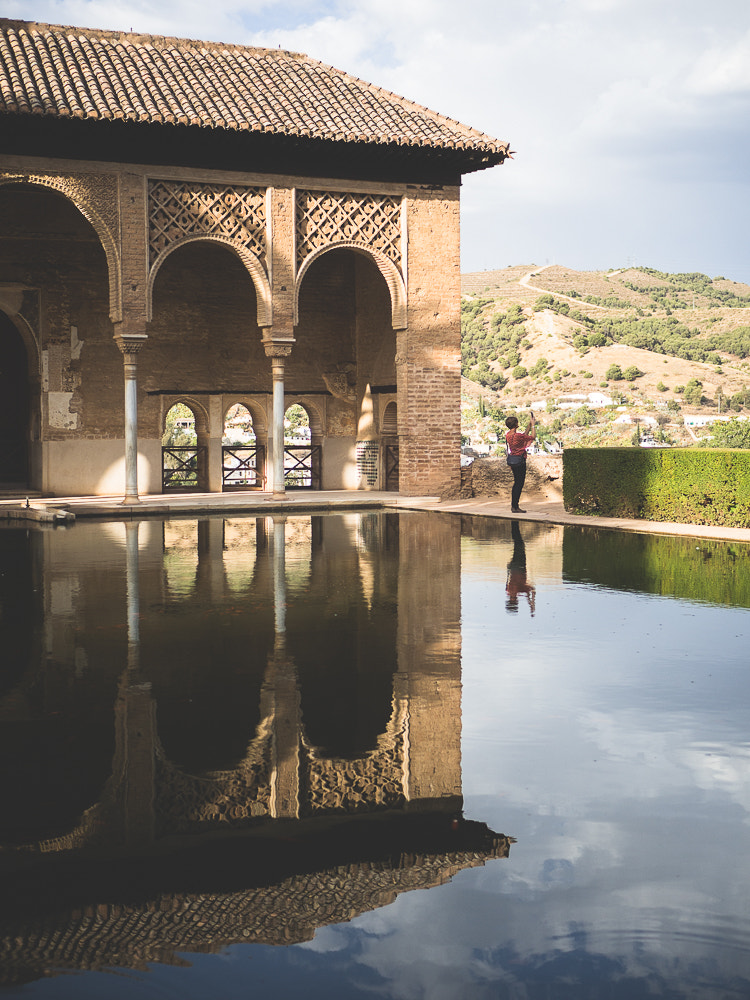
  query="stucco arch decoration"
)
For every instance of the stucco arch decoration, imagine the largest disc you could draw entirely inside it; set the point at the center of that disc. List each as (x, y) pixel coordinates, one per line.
(389, 271)
(95, 197)
(249, 261)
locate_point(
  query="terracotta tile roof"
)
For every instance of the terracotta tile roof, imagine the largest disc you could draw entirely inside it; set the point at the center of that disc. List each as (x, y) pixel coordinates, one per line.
(90, 74)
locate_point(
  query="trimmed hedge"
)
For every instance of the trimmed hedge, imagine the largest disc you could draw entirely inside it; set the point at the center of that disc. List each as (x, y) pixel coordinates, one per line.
(688, 485)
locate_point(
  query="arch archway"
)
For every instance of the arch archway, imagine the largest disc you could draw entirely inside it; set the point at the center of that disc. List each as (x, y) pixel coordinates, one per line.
(14, 405)
(391, 274)
(65, 186)
(56, 268)
(345, 352)
(249, 261)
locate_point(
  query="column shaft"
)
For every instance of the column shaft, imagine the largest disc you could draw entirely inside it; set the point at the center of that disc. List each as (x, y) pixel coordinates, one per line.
(130, 345)
(278, 352)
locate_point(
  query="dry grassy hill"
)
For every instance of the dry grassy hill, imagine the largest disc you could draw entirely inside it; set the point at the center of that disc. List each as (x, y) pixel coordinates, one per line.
(551, 335)
(708, 308)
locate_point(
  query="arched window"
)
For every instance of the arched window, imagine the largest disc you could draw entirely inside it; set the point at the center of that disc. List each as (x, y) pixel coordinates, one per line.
(238, 426)
(301, 456)
(179, 426)
(296, 425)
(242, 456)
(183, 460)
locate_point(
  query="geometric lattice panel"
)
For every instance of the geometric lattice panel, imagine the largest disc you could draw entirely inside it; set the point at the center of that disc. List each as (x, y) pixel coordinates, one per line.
(177, 209)
(372, 220)
(367, 460)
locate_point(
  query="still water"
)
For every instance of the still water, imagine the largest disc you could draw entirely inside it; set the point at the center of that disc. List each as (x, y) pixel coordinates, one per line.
(403, 755)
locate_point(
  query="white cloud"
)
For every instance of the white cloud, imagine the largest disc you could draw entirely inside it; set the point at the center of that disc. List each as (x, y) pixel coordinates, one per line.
(723, 70)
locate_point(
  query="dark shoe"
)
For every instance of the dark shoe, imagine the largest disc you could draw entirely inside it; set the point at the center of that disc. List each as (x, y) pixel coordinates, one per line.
(517, 510)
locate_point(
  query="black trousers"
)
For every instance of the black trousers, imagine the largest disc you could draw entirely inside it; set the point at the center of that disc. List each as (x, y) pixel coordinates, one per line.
(519, 478)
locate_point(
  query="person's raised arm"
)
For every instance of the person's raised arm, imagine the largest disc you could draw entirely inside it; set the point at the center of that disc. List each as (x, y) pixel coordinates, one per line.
(531, 429)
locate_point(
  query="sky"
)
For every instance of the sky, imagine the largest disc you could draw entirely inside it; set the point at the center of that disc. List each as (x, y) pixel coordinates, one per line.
(629, 119)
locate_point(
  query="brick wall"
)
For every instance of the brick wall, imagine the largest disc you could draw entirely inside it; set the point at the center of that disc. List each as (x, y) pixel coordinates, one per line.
(429, 350)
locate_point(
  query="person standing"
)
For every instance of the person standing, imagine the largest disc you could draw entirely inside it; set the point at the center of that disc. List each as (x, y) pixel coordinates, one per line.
(516, 444)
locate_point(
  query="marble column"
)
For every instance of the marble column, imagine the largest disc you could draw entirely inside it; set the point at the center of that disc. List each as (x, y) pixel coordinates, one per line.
(130, 344)
(277, 352)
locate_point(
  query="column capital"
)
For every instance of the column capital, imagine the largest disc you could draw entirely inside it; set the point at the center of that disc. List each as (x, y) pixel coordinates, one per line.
(277, 350)
(280, 336)
(130, 343)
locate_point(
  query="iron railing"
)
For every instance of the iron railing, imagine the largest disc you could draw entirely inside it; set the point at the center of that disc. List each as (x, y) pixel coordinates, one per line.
(182, 468)
(302, 467)
(242, 467)
(391, 467)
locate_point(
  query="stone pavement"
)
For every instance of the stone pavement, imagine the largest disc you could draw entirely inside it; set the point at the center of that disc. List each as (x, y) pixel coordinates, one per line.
(550, 511)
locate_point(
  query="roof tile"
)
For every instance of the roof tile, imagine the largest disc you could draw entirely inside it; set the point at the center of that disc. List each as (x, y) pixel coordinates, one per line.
(62, 71)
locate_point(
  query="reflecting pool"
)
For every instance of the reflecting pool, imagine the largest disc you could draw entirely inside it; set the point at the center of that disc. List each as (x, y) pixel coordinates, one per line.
(232, 750)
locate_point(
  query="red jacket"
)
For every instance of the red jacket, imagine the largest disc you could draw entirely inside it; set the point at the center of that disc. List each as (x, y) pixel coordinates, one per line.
(518, 442)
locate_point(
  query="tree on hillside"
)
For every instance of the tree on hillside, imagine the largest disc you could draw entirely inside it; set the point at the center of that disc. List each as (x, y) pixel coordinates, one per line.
(733, 433)
(694, 392)
(540, 367)
(632, 373)
(614, 373)
(583, 416)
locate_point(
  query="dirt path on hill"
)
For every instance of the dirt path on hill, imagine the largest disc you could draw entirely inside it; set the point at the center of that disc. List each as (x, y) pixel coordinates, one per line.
(526, 278)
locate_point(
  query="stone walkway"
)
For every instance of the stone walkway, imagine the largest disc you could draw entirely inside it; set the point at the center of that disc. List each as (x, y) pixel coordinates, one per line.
(550, 511)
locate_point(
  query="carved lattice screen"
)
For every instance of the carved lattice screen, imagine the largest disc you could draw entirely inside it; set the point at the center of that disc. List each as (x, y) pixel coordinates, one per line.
(371, 220)
(178, 210)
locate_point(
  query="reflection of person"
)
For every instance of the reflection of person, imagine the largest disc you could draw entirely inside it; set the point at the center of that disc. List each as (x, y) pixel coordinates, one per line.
(516, 445)
(517, 583)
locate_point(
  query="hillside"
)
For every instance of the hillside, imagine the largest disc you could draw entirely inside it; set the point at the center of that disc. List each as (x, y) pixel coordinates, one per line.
(532, 334)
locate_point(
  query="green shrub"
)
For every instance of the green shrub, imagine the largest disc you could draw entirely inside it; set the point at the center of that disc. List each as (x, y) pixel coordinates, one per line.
(730, 434)
(691, 486)
(614, 373)
(694, 392)
(540, 367)
(583, 416)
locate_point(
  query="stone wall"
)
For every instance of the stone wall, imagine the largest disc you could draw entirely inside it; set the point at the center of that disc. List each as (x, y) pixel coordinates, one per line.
(492, 477)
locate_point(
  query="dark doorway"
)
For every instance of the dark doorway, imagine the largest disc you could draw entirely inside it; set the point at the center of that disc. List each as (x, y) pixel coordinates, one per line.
(14, 405)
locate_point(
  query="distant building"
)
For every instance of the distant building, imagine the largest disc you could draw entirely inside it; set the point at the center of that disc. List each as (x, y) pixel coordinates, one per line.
(600, 399)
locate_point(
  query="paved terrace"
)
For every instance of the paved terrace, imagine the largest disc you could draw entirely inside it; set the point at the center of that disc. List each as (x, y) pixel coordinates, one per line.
(62, 509)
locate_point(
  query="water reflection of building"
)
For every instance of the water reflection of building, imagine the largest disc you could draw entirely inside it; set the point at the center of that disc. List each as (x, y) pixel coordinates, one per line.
(306, 671)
